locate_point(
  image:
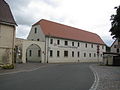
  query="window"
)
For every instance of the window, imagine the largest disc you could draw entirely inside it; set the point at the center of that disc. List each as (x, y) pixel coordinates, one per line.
(65, 53)
(38, 39)
(89, 54)
(91, 45)
(58, 42)
(35, 30)
(103, 47)
(58, 53)
(30, 52)
(84, 54)
(72, 53)
(118, 50)
(72, 43)
(39, 53)
(86, 45)
(78, 44)
(51, 53)
(114, 46)
(94, 54)
(51, 41)
(66, 42)
(78, 54)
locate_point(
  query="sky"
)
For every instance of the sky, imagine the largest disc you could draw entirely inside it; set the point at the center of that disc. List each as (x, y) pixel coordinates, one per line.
(89, 15)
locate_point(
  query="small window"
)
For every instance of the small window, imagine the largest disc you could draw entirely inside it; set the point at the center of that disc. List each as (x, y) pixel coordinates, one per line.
(65, 53)
(94, 54)
(35, 30)
(78, 44)
(103, 47)
(66, 42)
(72, 43)
(72, 53)
(51, 53)
(58, 53)
(86, 45)
(118, 50)
(38, 39)
(89, 54)
(78, 54)
(58, 42)
(114, 46)
(51, 41)
(84, 54)
(91, 45)
(39, 53)
(30, 52)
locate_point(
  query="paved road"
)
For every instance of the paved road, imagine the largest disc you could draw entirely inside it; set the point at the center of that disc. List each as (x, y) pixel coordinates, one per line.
(53, 77)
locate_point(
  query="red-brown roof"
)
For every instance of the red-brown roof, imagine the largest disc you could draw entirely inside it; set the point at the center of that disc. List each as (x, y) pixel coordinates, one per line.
(63, 31)
(5, 13)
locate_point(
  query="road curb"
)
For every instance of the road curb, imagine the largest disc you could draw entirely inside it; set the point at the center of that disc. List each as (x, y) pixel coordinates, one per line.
(95, 84)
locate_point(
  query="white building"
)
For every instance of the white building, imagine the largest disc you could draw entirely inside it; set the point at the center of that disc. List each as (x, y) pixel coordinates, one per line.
(115, 47)
(64, 44)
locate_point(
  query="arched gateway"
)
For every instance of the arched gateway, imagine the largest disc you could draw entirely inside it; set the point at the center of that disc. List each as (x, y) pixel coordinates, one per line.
(31, 51)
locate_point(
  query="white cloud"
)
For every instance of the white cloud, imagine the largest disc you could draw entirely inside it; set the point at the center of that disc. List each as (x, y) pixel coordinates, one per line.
(91, 15)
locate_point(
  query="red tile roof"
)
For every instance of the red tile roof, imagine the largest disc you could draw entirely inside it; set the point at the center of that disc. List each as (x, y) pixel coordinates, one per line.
(63, 31)
(5, 13)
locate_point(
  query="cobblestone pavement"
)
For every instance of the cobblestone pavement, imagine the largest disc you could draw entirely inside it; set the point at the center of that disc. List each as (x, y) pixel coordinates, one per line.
(109, 77)
(22, 68)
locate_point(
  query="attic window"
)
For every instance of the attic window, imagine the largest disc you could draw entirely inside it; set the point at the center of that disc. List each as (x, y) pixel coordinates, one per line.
(35, 30)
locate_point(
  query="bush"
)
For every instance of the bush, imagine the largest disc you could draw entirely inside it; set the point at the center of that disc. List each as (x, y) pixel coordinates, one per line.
(8, 66)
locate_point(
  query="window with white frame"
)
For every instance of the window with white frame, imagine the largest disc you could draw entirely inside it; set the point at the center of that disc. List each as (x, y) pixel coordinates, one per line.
(65, 53)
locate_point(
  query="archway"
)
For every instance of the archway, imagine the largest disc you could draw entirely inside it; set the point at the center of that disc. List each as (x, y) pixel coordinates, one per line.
(33, 53)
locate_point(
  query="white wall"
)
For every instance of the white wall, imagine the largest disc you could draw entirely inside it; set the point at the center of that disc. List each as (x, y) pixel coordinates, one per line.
(38, 35)
(81, 49)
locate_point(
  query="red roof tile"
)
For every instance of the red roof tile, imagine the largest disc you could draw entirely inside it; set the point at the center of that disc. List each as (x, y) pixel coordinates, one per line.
(63, 31)
(5, 13)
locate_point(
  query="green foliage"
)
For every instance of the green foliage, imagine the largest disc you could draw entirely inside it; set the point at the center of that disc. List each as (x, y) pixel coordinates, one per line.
(8, 66)
(115, 29)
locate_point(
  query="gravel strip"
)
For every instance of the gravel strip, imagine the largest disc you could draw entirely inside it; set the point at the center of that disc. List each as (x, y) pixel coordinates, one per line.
(109, 77)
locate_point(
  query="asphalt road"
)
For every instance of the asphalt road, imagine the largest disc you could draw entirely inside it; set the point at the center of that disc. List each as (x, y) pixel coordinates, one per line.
(53, 77)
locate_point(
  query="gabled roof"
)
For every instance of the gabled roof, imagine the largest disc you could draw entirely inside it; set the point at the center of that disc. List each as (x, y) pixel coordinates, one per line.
(6, 16)
(63, 31)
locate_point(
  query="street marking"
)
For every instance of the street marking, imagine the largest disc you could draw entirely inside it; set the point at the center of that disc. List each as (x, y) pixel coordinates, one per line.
(95, 84)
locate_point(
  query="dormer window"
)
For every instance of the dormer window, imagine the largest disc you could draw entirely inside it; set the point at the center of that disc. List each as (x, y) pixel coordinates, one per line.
(35, 30)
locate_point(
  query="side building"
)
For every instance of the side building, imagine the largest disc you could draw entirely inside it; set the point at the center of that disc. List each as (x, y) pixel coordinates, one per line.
(7, 34)
(115, 47)
(65, 43)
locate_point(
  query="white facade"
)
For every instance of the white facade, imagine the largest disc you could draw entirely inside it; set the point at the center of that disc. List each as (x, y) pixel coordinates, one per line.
(56, 51)
(115, 47)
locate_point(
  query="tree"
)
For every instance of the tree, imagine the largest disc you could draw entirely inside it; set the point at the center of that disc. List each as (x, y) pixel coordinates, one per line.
(115, 24)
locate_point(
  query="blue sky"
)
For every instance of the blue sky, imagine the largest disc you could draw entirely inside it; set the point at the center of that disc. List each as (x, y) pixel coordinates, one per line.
(89, 15)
